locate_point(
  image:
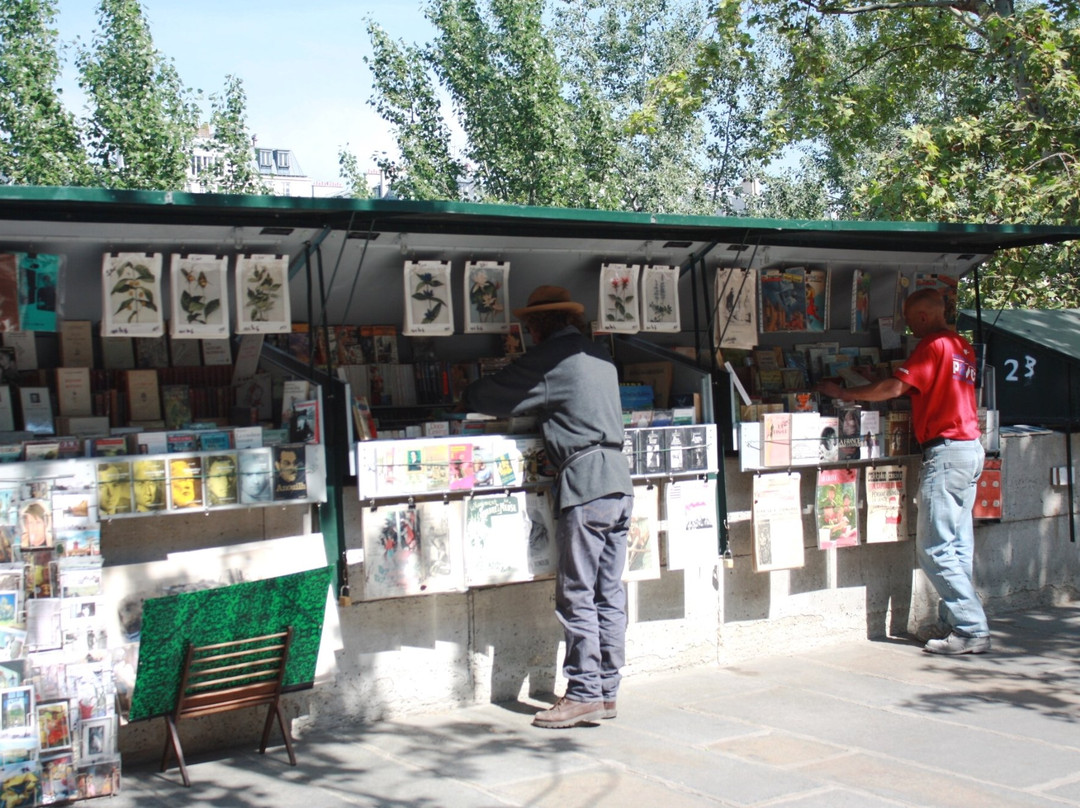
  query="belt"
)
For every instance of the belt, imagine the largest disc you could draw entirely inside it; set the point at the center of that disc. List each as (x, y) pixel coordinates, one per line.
(930, 444)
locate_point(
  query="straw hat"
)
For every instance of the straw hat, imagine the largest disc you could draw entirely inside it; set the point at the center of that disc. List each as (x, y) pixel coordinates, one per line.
(549, 298)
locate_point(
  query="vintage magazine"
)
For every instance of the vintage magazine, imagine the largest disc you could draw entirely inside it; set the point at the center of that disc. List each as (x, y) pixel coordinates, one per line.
(783, 300)
(886, 503)
(777, 522)
(836, 508)
(860, 301)
(817, 300)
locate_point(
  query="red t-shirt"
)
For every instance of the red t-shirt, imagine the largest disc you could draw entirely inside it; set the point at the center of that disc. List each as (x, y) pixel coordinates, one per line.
(941, 372)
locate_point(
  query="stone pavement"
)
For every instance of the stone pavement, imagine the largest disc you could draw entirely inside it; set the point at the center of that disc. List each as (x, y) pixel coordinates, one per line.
(868, 724)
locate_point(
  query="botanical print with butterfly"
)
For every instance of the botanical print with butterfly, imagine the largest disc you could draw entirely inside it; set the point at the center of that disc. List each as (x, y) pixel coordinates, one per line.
(262, 295)
(131, 286)
(200, 296)
(429, 309)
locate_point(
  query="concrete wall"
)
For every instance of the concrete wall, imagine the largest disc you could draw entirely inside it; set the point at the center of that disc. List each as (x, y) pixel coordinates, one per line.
(439, 652)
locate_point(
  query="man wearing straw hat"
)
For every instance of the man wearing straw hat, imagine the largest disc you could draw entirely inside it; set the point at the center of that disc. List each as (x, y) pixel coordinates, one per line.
(572, 387)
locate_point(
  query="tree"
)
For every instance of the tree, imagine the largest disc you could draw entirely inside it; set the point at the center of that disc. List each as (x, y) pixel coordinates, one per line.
(233, 169)
(39, 139)
(143, 121)
(549, 100)
(927, 110)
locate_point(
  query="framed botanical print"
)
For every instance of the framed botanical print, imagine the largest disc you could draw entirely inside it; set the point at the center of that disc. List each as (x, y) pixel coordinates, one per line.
(619, 299)
(429, 309)
(200, 296)
(487, 292)
(131, 286)
(660, 298)
(262, 295)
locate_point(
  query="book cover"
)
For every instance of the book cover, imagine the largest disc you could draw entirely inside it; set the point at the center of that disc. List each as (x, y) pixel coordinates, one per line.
(849, 433)
(675, 443)
(290, 471)
(870, 427)
(24, 346)
(76, 344)
(9, 292)
(828, 451)
(176, 403)
(653, 452)
(817, 300)
(144, 400)
(248, 437)
(112, 446)
(182, 441)
(185, 483)
(776, 427)
(37, 414)
(216, 352)
(7, 410)
(184, 353)
(114, 487)
(836, 508)
(39, 276)
(215, 440)
(254, 476)
(292, 390)
(805, 438)
(221, 480)
(304, 426)
(41, 450)
(118, 353)
(151, 443)
(898, 433)
(783, 300)
(151, 352)
(148, 484)
(462, 474)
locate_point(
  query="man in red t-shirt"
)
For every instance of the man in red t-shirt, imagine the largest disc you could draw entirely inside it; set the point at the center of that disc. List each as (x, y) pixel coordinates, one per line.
(939, 378)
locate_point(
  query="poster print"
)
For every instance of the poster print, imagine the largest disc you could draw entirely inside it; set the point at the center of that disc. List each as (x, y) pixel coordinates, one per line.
(543, 551)
(860, 301)
(886, 504)
(200, 296)
(692, 528)
(643, 542)
(777, 522)
(736, 308)
(39, 280)
(429, 309)
(660, 298)
(618, 298)
(496, 540)
(131, 285)
(442, 553)
(835, 508)
(262, 295)
(487, 291)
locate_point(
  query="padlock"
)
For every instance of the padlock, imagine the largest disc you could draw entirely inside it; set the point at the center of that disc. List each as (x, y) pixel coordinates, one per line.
(343, 597)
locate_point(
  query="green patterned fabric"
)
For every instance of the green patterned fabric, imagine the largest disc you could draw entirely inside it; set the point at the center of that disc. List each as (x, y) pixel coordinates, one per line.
(224, 615)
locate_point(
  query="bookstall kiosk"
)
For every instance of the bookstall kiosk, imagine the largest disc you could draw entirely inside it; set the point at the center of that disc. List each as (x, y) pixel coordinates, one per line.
(427, 633)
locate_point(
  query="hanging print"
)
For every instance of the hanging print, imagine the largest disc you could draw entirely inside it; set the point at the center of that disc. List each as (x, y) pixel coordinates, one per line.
(131, 283)
(643, 541)
(200, 296)
(429, 309)
(39, 281)
(619, 299)
(660, 298)
(735, 309)
(486, 293)
(262, 295)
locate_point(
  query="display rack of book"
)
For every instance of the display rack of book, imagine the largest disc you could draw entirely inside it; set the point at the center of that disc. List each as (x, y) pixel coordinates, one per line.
(449, 513)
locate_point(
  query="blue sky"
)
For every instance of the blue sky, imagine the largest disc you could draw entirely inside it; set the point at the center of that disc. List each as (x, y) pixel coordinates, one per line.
(301, 63)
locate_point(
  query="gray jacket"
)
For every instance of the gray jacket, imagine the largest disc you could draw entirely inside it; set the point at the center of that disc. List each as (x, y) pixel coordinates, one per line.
(572, 387)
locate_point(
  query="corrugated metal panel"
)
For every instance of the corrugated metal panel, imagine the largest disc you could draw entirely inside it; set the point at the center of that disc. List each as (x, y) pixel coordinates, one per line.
(1055, 330)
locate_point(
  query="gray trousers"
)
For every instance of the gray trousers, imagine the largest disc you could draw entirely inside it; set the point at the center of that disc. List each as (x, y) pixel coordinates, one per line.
(590, 597)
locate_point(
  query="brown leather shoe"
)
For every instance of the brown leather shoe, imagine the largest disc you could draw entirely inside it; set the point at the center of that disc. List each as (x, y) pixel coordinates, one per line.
(569, 713)
(609, 710)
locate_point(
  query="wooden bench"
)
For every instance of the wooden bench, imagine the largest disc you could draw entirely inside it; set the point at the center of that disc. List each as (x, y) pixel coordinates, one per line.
(230, 676)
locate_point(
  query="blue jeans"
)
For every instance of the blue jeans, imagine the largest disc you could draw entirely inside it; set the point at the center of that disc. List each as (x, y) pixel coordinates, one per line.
(945, 537)
(590, 599)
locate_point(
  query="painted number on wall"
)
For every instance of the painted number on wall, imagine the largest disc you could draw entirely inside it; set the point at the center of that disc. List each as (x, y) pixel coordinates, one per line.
(1013, 373)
